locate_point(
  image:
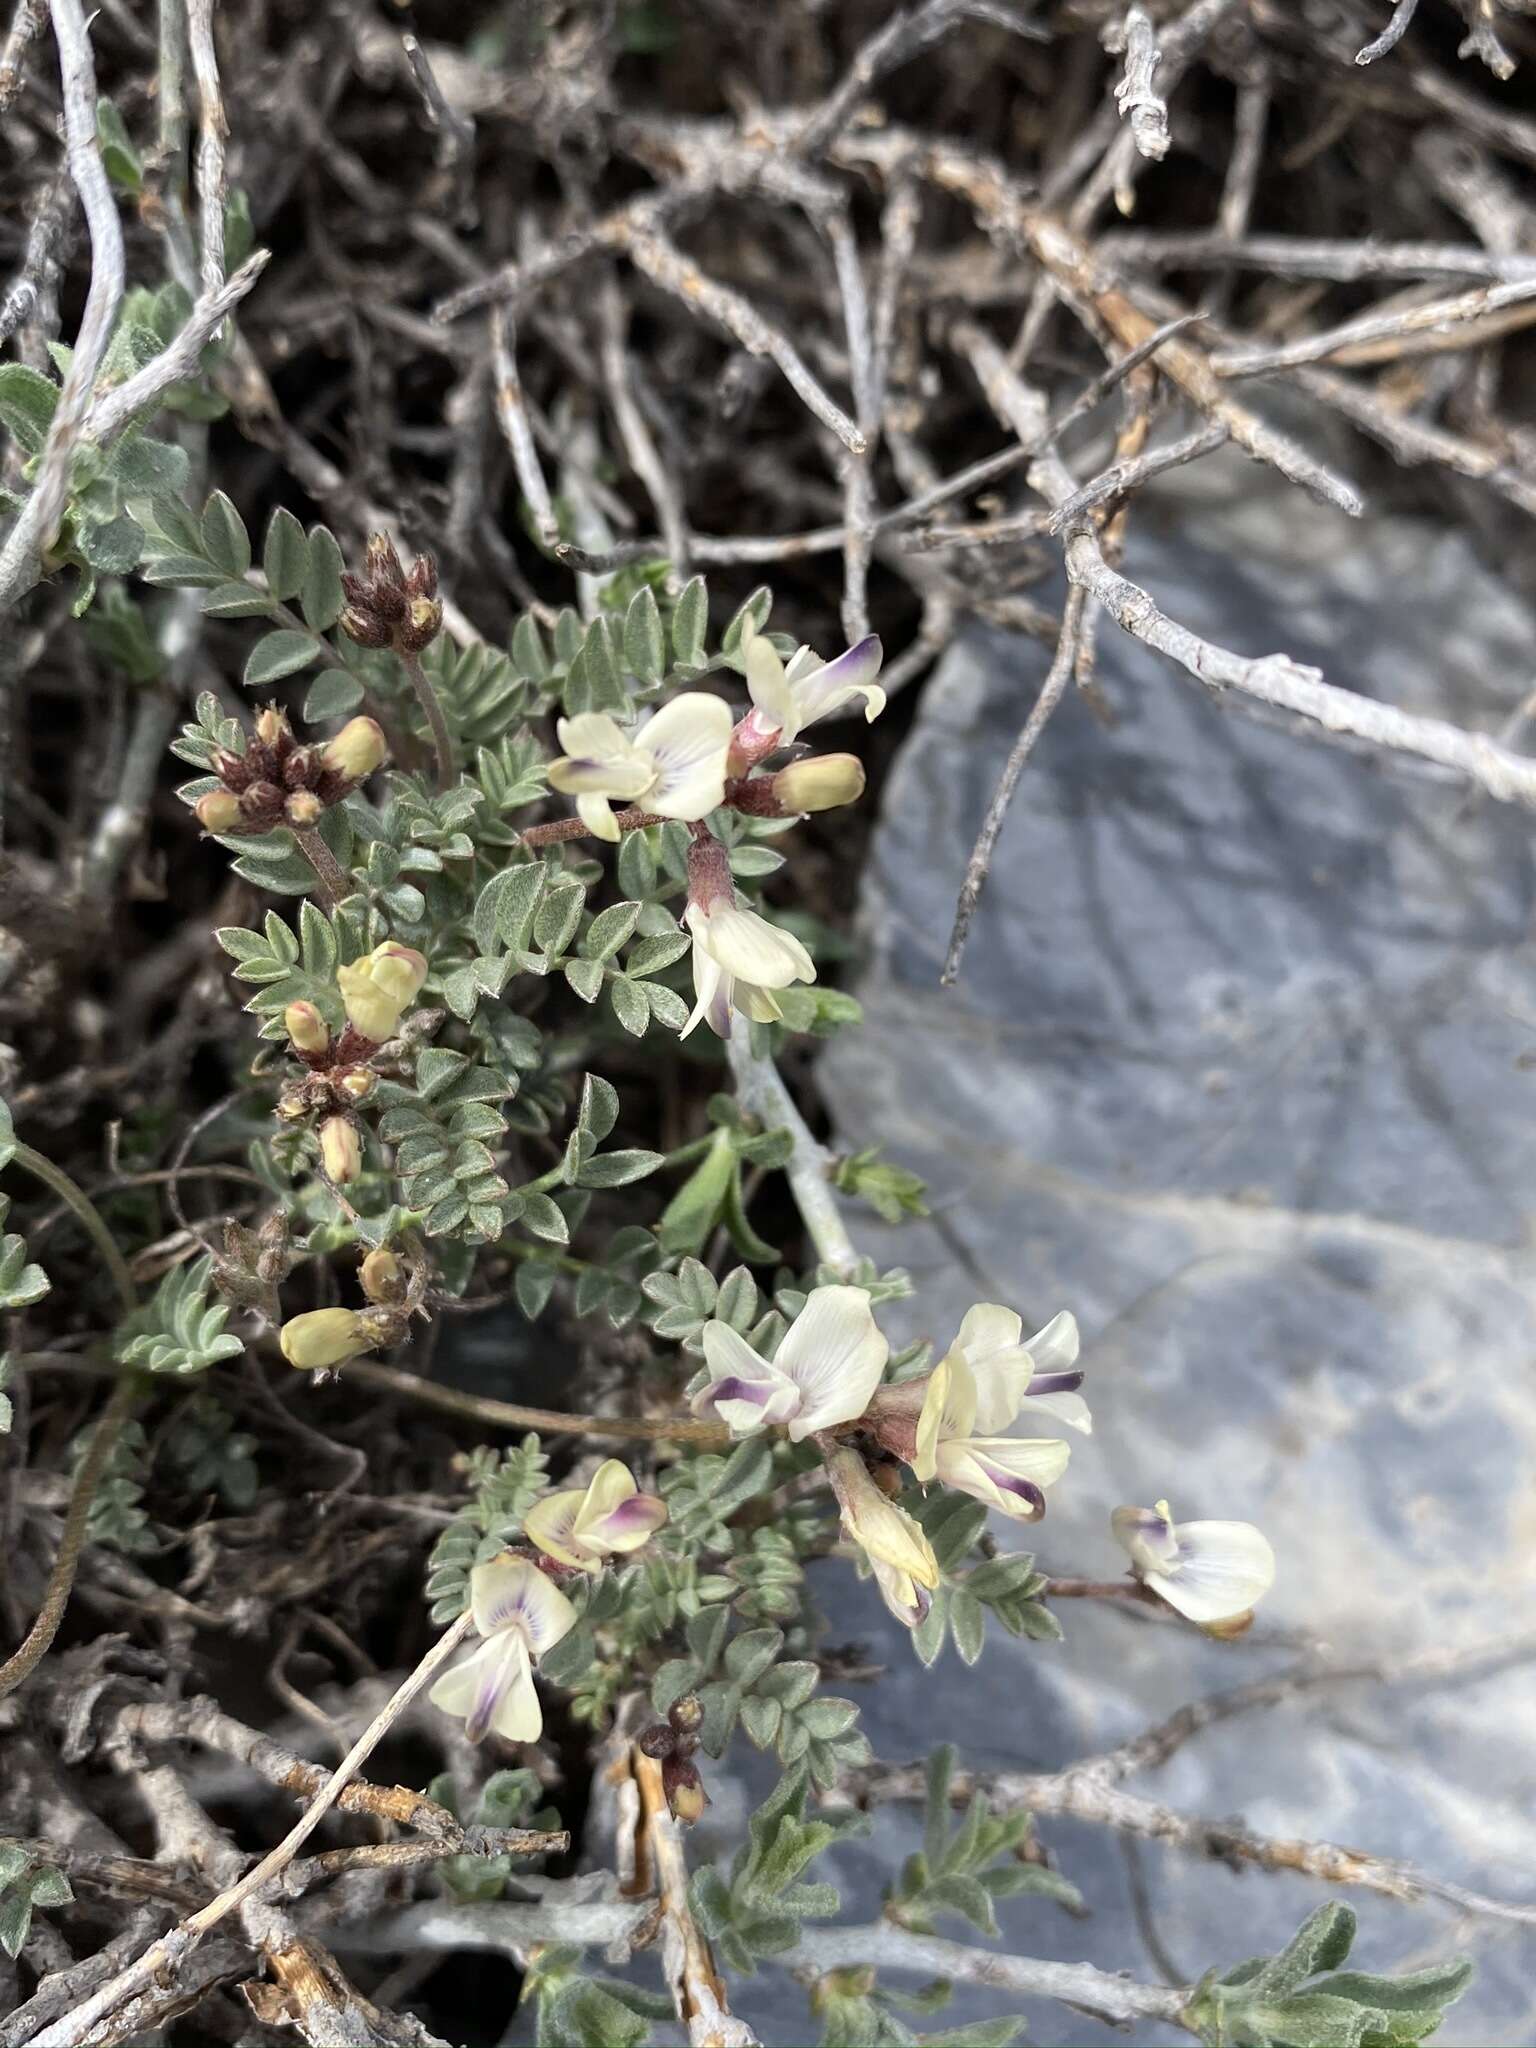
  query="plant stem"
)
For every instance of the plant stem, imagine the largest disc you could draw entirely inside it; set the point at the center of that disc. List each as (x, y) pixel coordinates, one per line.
(426, 697)
(558, 830)
(760, 1089)
(20, 1665)
(335, 883)
(684, 1429)
(39, 1638)
(86, 1214)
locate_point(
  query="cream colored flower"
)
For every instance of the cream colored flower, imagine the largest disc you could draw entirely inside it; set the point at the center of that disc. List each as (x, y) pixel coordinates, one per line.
(521, 1616)
(986, 1379)
(324, 1337)
(583, 1525)
(902, 1594)
(674, 764)
(739, 958)
(900, 1554)
(827, 1366)
(1210, 1571)
(380, 986)
(788, 698)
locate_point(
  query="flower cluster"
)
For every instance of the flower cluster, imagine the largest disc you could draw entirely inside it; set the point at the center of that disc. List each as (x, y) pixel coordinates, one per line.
(276, 781)
(520, 1613)
(689, 758)
(375, 991)
(389, 605)
(826, 1375)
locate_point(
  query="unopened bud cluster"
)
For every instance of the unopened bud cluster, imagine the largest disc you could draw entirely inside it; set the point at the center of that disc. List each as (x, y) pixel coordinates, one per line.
(389, 605)
(673, 1743)
(276, 781)
(375, 991)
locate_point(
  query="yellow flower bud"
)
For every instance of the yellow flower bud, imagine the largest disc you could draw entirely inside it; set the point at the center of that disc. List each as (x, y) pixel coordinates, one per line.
(357, 749)
(307, 1028)
(303, 809)
(218, 811)
(382, 1276)
(341, 1150)
(271, 725)
(378, 987)
(359, 1084)
(399, 971)
(820, 783)
(688, 1804)
(326, 1337)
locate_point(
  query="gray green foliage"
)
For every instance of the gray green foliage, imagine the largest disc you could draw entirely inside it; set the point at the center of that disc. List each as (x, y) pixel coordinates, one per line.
(758, 1909)
(178, 1331)
(505, 1485)
(963, 1868)
(24, 1886)
(1305, 1998)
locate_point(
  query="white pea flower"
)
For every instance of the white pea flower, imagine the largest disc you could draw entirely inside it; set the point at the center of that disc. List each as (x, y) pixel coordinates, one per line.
(1210, 1571)
(899, 1553)
(786, 698)
(986, 1379)
(739, 959)
(827, 1366)
(583, 1525)
(674, 764)
(521, 1616)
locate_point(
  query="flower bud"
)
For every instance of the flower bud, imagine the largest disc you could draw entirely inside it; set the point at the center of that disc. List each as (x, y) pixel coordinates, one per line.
(218, 811)
(303, 809)
(382, 564)
(820, 783)
(359, 1084)
(341, 1150)
(382, 1276)
(362, 627)
(685, 1791)
(307, 1028)
(271, 726)
(325, 1337)
(422, 624)
(357, 749)
(657, 1741)
(686, 1714)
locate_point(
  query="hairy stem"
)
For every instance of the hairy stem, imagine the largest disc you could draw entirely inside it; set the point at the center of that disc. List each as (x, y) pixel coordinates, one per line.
(39, 1638)
(335, 884)
(85, 1212)
(432, 710)
(560, 829)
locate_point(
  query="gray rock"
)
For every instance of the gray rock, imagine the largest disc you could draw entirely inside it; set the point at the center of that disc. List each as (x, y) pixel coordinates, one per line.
(1234, 1071)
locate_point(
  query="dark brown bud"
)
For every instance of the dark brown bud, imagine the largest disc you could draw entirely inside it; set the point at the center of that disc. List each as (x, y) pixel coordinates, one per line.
(364, 628)
(656, 1741)
(422, 581)
(421, 626)
(687, 1714)
(382, 564)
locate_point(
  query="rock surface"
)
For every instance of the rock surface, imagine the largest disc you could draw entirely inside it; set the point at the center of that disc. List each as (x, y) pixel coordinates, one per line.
(1234, 1070)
